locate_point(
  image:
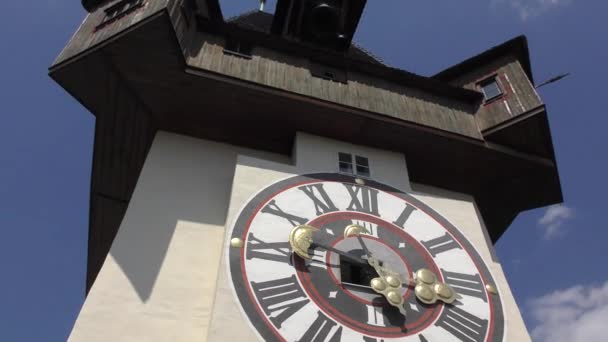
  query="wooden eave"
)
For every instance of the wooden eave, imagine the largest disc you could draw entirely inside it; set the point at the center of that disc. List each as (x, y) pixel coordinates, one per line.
(517, 47)
(528, 132)
(213, 106)
(341, 60)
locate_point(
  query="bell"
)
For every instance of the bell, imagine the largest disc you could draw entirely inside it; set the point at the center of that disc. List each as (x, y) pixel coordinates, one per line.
(92, 5)
(325, 20)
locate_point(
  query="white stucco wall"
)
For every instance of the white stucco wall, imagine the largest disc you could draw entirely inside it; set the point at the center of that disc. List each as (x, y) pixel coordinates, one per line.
(158, 282)
(165, 278)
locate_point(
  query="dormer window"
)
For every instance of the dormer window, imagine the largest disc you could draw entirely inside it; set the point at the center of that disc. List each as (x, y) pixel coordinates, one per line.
(239, 48)
(490, 88)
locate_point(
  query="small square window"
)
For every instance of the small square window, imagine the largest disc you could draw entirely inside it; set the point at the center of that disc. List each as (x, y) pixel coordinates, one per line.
(345, 157)
(490, 88)
(345, 162)
(360, 167)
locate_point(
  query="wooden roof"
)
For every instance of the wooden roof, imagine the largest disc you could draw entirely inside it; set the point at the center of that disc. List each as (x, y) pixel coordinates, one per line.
(517, 47)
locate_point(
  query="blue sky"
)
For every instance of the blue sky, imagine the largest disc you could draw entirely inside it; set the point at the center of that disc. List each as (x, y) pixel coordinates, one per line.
(554, 259)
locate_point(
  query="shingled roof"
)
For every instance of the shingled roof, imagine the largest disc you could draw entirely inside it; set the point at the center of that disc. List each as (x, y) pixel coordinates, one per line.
(517, 47)
(261, 22)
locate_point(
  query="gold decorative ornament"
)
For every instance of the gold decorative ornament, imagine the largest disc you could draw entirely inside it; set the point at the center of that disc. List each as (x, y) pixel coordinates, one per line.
(236, 243)
(491, 289)
(300, 239)
(394, 297)
(393, 281)
(378, 284)
(388, 284)
(428, 289)
(425, 294)
(359, 181)
(354, 230)
(445, 293)
(426, 276)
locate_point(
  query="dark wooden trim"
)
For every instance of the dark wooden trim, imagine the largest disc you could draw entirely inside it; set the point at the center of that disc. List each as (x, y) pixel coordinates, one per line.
(327, 104)
(514, 120)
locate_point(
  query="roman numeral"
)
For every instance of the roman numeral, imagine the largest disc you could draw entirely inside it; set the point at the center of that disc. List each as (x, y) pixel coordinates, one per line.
(463, 325)
(441, 244)
(279, 298)
(374, 316)
(367, 202)
(273, 208)
(320, 330)
(372, 228)
(324, 204)
(466, 284)
(404, 216)
(275, 251)
(422, 338)
(318, 258)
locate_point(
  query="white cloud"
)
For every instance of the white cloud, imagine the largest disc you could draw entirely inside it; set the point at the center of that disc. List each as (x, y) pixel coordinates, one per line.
(532, 8)
(553, 220)
(576, 314)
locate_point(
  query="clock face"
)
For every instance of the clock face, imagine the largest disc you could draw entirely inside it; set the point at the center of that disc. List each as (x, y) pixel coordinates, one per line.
(324, 258)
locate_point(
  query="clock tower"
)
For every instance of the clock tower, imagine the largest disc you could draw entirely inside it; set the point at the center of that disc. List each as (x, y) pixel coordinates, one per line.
(262, 177)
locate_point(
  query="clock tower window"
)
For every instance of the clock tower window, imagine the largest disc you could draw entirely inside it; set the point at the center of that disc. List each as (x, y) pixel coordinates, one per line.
(360, 167)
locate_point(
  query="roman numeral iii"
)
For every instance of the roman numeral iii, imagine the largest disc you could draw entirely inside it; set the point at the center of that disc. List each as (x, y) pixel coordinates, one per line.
(466, 284)
(441, 244)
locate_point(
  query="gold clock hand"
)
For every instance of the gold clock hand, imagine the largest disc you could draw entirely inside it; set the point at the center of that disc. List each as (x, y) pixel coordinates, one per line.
(352, 258)
(428, 290)
(356, 230)
(300, 240)
(388, 284)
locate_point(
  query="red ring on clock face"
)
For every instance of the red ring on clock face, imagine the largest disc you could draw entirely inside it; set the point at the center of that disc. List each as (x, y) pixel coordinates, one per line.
(411, 326)
(241, 280)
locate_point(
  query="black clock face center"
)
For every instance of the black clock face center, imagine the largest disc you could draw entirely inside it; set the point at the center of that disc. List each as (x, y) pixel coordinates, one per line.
(356, 274)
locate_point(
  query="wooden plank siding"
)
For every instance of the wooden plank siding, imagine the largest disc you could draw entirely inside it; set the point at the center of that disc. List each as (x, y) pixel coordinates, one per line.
(519, 93)
(124, 131)
(281, 71)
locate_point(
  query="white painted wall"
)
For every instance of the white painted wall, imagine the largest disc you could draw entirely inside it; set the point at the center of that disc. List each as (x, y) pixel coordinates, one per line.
(158, 282)
(165, 278)
(316, 154)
